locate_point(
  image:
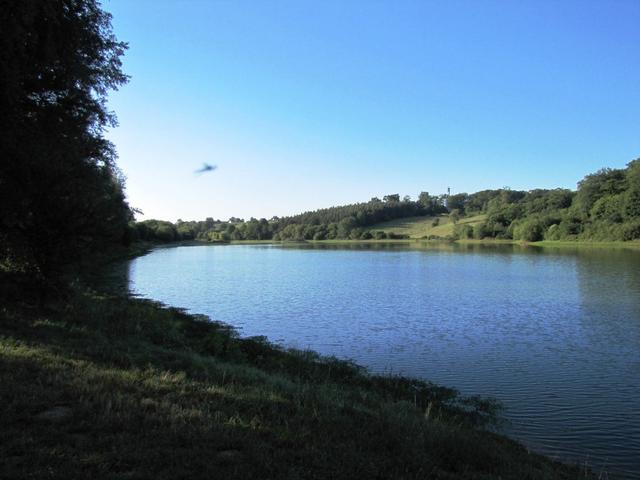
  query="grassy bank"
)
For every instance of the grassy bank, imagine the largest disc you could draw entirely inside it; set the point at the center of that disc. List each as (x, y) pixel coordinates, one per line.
(110, 387)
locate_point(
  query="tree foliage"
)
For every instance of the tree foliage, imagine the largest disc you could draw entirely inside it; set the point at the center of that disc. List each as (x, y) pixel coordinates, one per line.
(61, 192)
(342, 222)
(606, 206)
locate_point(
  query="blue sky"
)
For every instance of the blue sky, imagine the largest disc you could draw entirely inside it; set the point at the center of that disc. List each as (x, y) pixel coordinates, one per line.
(304, 105)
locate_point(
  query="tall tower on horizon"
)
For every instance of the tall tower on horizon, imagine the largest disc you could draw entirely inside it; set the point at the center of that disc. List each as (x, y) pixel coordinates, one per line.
(446, 198)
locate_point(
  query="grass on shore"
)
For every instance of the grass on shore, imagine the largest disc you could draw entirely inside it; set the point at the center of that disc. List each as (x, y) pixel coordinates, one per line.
(111, 387)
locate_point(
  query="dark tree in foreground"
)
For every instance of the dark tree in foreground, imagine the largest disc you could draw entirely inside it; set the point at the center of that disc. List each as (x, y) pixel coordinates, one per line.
(61, 194)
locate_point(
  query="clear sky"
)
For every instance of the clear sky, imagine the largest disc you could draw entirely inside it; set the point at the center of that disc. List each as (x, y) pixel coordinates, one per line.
(309, 104)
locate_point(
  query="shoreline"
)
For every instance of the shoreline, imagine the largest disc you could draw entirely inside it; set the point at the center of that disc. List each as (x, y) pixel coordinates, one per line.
(124, 372)
(130, 371)
(632, 244)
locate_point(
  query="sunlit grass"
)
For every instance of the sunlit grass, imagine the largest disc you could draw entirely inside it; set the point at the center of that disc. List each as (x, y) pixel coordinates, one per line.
(419, 227)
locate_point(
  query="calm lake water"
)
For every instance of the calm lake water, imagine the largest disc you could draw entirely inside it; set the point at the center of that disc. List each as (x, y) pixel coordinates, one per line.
(553, 333)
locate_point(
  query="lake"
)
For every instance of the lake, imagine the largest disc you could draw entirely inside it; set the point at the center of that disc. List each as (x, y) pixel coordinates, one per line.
(554, 333)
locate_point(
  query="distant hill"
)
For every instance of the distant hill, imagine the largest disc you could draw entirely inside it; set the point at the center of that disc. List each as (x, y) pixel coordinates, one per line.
(605, 207)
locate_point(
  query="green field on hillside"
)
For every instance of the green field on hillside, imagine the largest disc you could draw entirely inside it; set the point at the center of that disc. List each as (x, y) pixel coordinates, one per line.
(418, 227)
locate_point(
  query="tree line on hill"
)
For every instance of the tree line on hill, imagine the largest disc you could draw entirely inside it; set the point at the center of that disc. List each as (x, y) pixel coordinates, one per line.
(342, 222)
(606, 206)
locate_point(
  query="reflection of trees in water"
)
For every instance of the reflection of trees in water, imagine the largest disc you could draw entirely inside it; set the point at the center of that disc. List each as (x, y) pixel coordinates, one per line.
(505, 249)
(609, 286)
(609, 282)
(114, 278)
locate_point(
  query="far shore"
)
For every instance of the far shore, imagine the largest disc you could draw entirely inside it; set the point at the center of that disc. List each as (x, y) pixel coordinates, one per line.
(634, 244)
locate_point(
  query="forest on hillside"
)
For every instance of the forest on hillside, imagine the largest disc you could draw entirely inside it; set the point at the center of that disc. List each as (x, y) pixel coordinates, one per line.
(605, 207)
